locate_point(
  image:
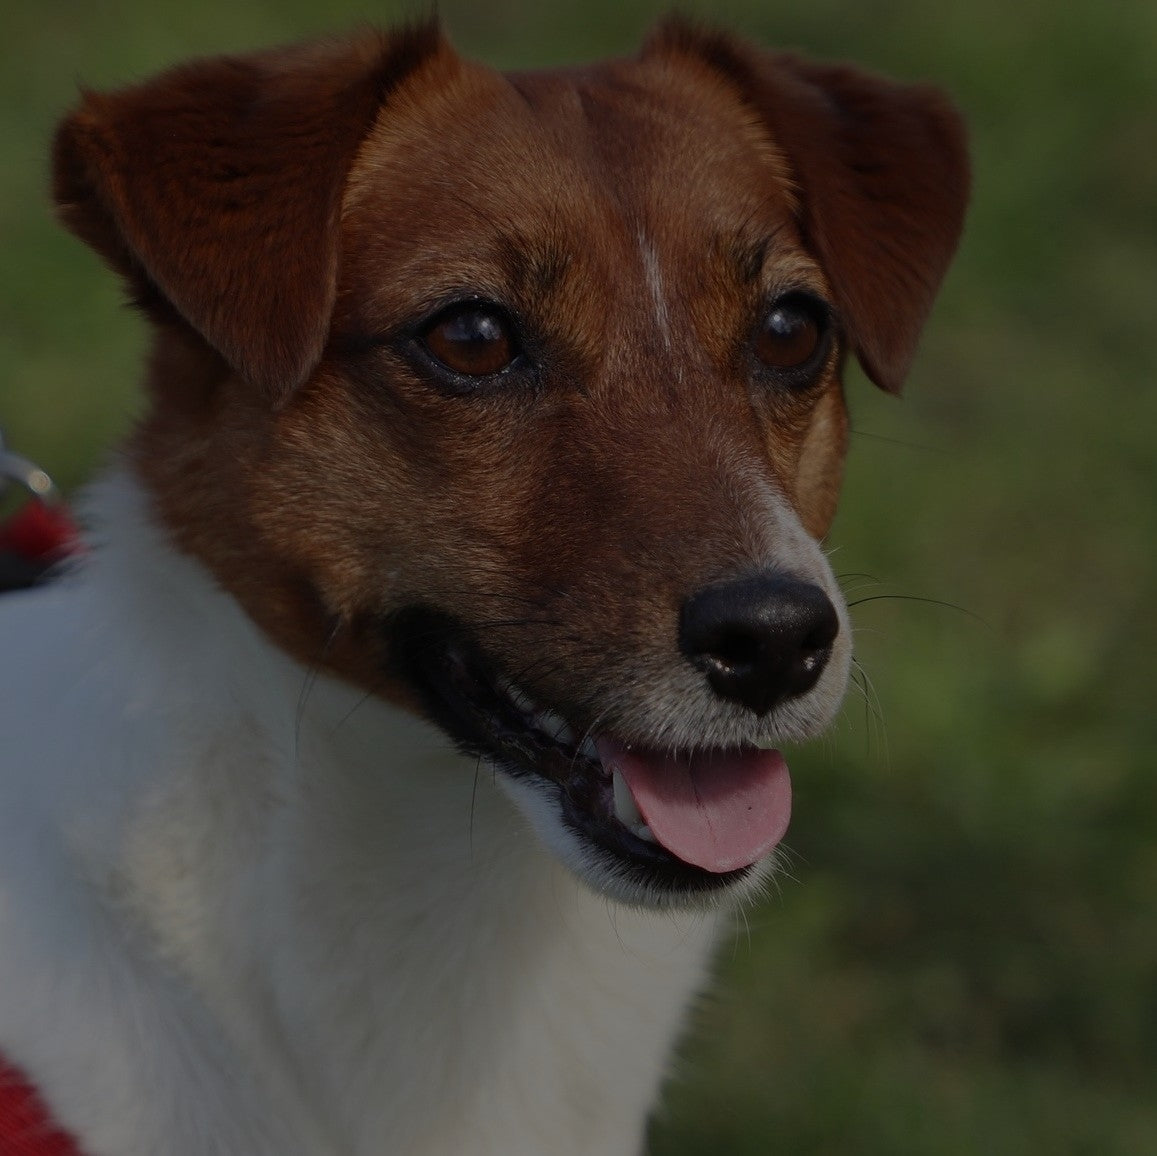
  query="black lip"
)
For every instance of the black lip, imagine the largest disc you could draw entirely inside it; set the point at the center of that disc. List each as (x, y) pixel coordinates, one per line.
(460, 690)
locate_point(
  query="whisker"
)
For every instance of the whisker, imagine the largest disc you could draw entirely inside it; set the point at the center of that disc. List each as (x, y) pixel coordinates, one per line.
(874, 709)
(587, 733)
(473, 801)
(855, 587)
(862, 690)
(357, 705)
(918, 598)
(841, 578)
(309, 681)
(862, 433)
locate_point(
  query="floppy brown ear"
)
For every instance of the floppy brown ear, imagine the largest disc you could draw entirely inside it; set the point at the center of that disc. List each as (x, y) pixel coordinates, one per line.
(882, 179)
(218, 186)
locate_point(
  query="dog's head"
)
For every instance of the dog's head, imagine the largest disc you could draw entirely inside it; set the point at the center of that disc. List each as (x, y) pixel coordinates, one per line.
(516, 398)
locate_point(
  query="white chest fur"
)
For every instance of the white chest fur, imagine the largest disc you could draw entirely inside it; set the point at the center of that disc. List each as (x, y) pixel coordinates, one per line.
(249, 912)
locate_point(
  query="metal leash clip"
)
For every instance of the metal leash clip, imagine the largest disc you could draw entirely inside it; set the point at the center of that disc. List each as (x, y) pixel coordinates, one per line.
(25, 473)
(39, 533)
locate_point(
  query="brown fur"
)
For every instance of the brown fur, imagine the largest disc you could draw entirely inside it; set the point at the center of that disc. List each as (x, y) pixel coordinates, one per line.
(286, 216)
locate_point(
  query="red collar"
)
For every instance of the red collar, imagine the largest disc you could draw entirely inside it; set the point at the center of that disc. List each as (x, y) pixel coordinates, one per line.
(26, 1128)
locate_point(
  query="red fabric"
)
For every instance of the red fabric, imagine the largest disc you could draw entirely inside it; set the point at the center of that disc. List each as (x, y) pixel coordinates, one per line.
(26, 1128)
(39, 533)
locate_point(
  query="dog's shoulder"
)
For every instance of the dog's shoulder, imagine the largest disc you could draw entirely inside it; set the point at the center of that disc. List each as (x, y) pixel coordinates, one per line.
(120, 686)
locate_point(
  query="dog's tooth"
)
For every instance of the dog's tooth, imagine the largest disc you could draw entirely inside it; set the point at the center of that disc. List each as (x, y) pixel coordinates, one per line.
(556, 726)
(519, 697)
(588, 750)
(625, 810)
(642, 831)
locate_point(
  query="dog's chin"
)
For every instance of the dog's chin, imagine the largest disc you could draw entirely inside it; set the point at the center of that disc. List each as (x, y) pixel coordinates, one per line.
(556, 775)
(648, 877)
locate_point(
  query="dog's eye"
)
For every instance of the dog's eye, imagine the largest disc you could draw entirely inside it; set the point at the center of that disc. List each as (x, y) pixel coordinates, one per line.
(791, 333)
(472, 339)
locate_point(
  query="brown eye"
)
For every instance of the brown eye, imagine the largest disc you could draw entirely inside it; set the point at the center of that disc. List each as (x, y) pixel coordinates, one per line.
(791, 333)
(474, 340)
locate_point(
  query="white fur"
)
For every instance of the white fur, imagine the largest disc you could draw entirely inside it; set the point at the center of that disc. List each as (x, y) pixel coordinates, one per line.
(243, 913)
(653, 274)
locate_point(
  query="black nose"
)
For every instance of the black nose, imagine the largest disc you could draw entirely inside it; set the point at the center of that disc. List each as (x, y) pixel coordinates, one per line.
(759, 639)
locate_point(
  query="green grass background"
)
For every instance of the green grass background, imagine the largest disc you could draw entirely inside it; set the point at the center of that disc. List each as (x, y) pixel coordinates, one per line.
(965, 957)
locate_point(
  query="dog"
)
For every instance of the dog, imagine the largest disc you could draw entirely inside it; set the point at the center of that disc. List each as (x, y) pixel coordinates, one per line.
(380, 779)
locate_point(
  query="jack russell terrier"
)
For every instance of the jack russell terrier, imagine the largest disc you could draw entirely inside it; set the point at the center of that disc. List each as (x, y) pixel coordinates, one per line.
(379, 781)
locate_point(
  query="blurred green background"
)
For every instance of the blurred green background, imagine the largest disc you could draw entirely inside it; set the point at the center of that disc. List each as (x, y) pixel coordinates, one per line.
(964, 958)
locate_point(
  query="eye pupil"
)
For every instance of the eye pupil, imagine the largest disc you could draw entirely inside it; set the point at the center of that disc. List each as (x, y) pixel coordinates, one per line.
(790, 335)
(473, 340)
(783, 325)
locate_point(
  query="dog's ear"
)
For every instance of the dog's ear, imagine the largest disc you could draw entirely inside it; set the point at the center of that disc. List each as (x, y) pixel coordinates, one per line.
(881, 174)
(218, 187)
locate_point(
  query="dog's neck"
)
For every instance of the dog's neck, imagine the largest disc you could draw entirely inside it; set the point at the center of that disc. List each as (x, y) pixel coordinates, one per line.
(359, 909)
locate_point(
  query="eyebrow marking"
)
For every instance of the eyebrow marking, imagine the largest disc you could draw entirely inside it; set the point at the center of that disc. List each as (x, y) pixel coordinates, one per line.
(750, 260)
(759, 263)
(535, 270)
(747, 251)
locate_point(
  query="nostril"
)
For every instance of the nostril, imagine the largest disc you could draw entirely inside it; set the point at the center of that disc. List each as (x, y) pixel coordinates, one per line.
(734, 649)
(759, 639)
(827, 627)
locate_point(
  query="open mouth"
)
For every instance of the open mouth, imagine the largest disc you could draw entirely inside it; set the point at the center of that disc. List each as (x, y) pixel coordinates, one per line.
(694, 821)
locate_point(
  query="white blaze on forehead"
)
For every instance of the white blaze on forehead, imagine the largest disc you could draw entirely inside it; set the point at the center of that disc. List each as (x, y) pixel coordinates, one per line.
(653, 275)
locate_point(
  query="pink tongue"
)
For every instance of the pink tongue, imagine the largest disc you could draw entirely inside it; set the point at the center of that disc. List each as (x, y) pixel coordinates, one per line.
(720, 810)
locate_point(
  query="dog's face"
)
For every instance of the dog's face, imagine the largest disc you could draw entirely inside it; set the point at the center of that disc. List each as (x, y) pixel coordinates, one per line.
(516, 399)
